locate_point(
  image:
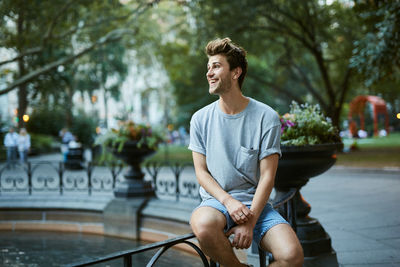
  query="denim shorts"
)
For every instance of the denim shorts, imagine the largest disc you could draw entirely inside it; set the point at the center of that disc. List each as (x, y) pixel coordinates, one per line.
(268, 218)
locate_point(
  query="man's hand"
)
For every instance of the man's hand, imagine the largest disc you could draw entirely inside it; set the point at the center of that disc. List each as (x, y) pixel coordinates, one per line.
(243, 235)
(239, 212)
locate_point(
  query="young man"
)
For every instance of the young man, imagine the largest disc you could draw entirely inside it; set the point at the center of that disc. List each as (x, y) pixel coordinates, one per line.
(236, 147)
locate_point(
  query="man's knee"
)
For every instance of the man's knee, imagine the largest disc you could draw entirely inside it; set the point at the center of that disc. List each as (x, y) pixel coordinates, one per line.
(291, 256)
(286, 249)
(206, 225)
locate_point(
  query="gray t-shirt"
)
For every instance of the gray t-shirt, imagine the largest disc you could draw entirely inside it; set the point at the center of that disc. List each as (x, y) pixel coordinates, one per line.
(235, 144)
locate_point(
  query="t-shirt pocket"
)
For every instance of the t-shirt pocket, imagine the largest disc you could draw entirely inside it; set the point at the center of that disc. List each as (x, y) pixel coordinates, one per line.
(247, 161)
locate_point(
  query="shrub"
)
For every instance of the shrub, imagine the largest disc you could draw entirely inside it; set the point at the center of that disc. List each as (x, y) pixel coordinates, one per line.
(306, 125)
(46, 121)
(41, 143)
(84, 128)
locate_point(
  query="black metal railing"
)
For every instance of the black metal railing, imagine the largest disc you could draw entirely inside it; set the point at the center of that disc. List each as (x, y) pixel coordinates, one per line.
(36, 177)
(163, 246)
(285, 205)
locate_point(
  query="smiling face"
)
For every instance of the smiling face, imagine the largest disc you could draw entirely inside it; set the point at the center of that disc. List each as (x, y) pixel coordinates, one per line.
(219, 76)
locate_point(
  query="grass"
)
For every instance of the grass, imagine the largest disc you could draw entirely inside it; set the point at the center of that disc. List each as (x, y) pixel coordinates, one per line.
(172, 153)
(392, 140)
(374, 152)
(371, 152)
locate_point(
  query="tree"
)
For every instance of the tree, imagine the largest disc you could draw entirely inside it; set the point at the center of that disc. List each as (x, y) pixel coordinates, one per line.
(62, 32)
(376, 56)
(106, 71)
(301, 49)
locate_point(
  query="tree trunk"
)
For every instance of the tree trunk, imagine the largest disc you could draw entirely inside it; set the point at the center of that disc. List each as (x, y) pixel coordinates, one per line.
(22, 89)
(68, 100)
(105, 108)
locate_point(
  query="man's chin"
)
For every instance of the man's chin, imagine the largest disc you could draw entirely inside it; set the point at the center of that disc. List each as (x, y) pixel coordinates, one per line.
(213, 90)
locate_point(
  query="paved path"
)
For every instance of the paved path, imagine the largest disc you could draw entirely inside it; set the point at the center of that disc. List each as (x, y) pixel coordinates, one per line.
(360, 210)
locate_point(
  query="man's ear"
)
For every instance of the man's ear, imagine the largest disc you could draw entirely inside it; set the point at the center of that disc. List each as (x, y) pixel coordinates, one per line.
(237, 72)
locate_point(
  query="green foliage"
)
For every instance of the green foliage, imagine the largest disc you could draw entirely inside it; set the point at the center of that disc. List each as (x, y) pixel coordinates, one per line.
(298, 50)
(49, 41)
(41, 143)
(306, 125)
(3, 129)
(49, 120)
(84, 128)
(104, 68)
(186, 70)
(377, 54)
(46, 120)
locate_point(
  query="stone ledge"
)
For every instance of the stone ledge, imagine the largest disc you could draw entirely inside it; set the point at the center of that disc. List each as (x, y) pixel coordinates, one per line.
(51, 215)
(53, 202)
(88, 228)
(170, 210)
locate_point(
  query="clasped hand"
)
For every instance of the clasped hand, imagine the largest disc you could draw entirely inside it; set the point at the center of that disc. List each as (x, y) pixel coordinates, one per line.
(242, 235)
(241, 215)
(239, 212)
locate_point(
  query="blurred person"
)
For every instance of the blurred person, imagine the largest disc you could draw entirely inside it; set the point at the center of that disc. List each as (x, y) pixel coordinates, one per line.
(24, 144)
(235, 143)
(11, 144)
(382, 133)
(362, 134)
(66, 138)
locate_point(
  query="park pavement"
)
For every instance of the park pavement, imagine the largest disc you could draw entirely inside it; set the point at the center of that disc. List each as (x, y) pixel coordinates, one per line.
(359, 209)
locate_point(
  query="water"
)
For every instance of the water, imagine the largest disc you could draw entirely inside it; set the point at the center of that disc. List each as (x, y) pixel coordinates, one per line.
(47, 249)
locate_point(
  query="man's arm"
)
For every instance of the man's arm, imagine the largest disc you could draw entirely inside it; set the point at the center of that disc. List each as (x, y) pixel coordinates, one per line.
(239, 212)
(268, 167)
(244, 233)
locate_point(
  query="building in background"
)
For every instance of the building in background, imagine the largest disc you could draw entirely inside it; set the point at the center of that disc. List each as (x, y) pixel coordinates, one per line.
(145, 97)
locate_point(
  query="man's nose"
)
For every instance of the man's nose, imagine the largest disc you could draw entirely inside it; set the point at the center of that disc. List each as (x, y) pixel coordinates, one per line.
(209, 73)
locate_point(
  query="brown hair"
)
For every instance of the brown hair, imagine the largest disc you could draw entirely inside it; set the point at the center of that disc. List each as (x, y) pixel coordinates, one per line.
(235, 55)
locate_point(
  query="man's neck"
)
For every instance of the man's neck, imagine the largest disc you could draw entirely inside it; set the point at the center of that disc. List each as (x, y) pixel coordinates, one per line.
(233, 102)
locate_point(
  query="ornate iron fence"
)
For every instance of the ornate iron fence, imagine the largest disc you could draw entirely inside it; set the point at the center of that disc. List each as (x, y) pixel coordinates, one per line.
(52, 177)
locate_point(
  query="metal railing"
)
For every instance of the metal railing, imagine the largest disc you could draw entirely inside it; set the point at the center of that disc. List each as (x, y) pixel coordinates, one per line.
(38, 177)
(285, 205)
(162, 245)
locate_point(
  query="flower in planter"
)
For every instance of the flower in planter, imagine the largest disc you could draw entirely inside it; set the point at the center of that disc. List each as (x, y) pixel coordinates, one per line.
(143, 134)
(306, 125)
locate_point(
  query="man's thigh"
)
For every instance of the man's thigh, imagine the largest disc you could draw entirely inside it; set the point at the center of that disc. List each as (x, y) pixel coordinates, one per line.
(279, 240)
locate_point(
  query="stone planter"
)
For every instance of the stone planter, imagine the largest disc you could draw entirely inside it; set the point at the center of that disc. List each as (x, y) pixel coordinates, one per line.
(133, 184)
(297, 165)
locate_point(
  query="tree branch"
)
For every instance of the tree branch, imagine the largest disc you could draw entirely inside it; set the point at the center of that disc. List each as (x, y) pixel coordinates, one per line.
(345, 87)
(285, 91)
(307, 82)
(325, 76)
(28, 52)
(111, 36)
(288, 31)
(62, 11)
(298, 22)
